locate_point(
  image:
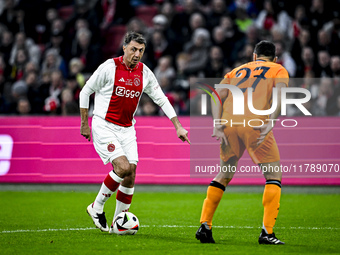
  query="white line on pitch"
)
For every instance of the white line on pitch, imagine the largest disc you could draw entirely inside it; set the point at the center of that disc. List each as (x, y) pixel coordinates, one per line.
(158, 226)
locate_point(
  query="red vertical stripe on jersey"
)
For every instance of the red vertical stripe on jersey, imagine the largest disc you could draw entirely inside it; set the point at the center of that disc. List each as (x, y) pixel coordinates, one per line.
(126, 94)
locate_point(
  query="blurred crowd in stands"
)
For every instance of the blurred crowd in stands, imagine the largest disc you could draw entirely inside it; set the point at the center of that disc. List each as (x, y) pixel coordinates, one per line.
(49, 48)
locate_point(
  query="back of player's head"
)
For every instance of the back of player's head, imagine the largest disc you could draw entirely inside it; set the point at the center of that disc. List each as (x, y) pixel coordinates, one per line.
(265, 49)
(134, 36)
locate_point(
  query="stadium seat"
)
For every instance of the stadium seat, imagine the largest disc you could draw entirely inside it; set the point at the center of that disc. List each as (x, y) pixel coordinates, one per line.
(65, 12)
(112, 40)
(146, 13)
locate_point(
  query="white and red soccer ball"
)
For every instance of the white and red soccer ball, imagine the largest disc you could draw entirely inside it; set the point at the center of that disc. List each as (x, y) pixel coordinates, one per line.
(125, 223)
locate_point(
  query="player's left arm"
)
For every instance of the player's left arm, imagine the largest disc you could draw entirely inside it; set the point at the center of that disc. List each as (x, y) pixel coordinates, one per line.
(216, 111)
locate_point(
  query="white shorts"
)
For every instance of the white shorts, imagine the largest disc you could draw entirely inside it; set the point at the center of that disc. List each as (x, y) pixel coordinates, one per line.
(112, 141)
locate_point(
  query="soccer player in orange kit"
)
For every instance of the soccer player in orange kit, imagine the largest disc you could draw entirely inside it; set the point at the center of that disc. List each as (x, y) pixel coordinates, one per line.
(262, 74)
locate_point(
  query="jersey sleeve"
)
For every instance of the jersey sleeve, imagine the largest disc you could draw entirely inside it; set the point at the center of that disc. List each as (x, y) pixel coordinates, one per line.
(282, 76)
(95, 82)
(154, 91)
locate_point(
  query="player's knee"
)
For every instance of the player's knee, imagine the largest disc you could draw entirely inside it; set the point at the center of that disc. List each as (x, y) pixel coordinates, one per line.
(123, 169)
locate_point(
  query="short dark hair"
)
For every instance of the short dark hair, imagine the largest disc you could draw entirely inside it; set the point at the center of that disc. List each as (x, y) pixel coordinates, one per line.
(265, 49)
(134, 36)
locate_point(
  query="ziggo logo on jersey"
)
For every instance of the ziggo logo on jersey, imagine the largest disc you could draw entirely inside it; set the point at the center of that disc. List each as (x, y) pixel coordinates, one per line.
(123, 92)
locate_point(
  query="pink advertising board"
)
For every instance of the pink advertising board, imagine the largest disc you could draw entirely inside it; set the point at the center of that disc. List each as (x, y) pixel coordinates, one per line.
(51, 150)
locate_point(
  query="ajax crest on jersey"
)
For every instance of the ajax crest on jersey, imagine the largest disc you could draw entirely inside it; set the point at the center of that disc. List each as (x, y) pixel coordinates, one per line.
(125, 223)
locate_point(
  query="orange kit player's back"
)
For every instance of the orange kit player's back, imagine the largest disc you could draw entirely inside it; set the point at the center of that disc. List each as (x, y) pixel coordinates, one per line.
(262, 76)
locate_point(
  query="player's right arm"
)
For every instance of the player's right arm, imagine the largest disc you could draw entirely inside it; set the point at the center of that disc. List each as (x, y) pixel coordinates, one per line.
(85, 127)
(216, 111)
(94, 83)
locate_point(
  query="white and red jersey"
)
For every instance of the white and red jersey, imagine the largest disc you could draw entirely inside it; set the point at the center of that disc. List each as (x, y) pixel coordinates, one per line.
(118, 90)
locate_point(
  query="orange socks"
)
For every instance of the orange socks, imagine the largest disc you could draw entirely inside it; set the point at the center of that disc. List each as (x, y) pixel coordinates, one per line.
(214, 194)
(271, 204)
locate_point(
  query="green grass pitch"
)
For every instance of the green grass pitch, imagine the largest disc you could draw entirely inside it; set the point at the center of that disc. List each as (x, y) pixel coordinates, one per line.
(41, 222)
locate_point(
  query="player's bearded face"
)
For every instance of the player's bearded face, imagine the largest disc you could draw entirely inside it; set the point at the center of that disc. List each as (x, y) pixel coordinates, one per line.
(133, 53)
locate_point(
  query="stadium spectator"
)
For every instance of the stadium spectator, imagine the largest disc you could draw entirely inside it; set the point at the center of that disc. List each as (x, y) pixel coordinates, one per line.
(82, 10)
(31, 67)
(242, 19)
(333, 28)
(308, 62)
(168, 10)
(311, 83)
(23, 106)
(3, 74)
(160, 24)
(326, 91)
(68, 105)
(33, 92)
(323, 69)
(181, 81)
(299, 22)
(22, 42)
(220, 40)
(18, 67)
(246, 54)
(53, 61)
(73, 85)
(6, 45)
(164, 70)
(135, 24)
(251, 37)
(75, 68)
(324, 40)
(214, 68)
(8, 16)
(335, 66)
(285, 59)
(158, 47)
(271, 16)
(181, 21)
(197, 20)
(218, 10)
(52, 91)
(113, 12)
(89, 54)
(246, 5)
(318, 16)
(18, 90)
(197, 48)
(303, 40)
(232, 37)
(148, 107)
(58, 43)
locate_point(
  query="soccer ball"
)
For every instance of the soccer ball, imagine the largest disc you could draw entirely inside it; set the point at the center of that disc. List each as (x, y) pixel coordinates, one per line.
(125, 223)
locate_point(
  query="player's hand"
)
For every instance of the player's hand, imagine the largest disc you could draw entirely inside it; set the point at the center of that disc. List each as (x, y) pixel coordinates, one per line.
(219, 134)
(264, 130)
(183, 134)
(85, 131)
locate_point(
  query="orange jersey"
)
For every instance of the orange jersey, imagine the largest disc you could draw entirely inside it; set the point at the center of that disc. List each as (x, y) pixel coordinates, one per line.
(262, 76)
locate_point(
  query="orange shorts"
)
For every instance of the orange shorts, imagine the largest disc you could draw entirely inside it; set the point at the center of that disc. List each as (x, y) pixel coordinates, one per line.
(241, 138)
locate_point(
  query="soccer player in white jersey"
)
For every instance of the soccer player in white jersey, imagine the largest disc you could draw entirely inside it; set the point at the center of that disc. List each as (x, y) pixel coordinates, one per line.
(118, 85)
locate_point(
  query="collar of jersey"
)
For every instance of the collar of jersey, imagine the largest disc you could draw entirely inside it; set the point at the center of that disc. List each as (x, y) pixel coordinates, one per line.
(126, 67)
(260, 60)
